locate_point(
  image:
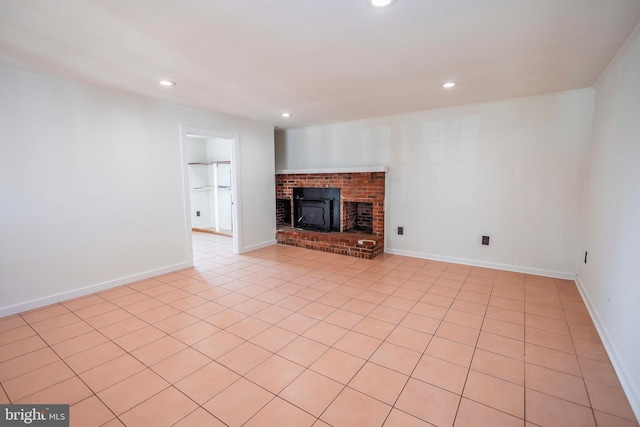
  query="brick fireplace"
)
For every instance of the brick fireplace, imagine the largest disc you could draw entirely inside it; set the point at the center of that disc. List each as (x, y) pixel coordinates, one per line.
(361, 225)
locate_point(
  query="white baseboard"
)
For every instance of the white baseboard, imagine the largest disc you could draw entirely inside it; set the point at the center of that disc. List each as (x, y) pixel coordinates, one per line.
(628, 385)
(266, 244)
(486, 264)
(87, 290)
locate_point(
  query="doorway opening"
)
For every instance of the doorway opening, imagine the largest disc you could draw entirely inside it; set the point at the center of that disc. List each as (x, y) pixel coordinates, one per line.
(210, 185)
(211, 192)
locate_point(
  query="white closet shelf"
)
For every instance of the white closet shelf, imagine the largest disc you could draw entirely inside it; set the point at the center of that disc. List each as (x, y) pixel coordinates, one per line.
(226, 162)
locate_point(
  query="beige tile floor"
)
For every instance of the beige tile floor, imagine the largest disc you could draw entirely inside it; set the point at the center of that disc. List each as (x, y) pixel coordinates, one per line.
(290, 337)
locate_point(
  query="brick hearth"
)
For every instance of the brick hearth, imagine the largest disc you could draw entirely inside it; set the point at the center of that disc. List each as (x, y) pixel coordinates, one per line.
(361, 245)
(361, 213)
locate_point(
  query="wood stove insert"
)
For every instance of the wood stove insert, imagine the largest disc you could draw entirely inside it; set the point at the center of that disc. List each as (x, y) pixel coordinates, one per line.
(316, 209)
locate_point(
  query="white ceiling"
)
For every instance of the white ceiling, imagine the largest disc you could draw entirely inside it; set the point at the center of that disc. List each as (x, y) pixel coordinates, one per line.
(322, 60)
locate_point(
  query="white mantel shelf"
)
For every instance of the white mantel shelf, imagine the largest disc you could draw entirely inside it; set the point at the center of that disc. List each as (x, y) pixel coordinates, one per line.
(364, 169)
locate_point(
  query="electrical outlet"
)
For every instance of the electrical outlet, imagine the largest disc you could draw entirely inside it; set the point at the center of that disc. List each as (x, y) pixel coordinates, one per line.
(485, 240)
(401, 230)
(197, 213)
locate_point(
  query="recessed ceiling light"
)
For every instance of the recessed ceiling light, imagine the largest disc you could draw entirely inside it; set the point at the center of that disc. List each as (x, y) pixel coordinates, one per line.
(167, 83)
(448, 85)
(286, 115)
(380, 3)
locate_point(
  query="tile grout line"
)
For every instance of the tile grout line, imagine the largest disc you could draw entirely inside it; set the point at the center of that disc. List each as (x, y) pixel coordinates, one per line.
(240, 264)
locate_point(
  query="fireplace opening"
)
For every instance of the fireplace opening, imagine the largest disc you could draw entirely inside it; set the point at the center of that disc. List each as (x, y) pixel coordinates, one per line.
(358, 216)
(283, 211)
(316, 209)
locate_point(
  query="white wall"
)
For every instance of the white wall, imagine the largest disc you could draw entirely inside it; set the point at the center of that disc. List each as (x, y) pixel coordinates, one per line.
(513, 170)
(611, 229)
(92, 192)
(219, 149)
